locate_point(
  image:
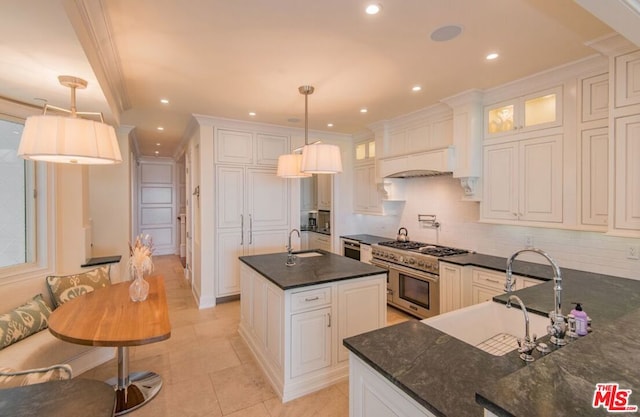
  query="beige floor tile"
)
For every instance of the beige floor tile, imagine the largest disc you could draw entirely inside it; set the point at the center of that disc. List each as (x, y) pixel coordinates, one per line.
(190, 398)
(241, 387)
(257, 410)
(329, 402)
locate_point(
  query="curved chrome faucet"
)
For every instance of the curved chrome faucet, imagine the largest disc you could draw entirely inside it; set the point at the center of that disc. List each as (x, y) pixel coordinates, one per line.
(527, 345)
(558, 327)
(290, 256)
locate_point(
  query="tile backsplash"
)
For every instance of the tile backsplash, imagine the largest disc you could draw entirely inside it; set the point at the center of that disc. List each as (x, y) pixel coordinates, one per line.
(587, 251)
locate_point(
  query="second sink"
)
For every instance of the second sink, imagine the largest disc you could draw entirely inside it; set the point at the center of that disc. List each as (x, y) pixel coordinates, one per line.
(489, 326)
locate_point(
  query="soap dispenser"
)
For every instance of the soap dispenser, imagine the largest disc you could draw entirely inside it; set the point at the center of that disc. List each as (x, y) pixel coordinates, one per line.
(581, 320)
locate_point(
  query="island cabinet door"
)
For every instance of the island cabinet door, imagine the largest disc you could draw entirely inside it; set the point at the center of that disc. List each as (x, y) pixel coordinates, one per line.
(361, 308)
(310, 341)
(371, 395)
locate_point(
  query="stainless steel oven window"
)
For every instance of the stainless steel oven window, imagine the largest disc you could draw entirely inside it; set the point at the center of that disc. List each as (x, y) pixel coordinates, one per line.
(351, 250)
(415, 291)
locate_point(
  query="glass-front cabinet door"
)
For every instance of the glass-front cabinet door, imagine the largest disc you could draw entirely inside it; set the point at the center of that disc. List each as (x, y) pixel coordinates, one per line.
(539, 110)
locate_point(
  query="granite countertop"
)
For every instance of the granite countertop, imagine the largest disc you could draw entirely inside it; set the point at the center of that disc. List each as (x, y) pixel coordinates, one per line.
(444, 374)
(367, 239)
(309, 270)
(320, 230)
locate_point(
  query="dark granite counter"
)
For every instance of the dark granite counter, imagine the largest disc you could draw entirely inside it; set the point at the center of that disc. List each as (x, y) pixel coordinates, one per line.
(367, 239)
(322, 231)
(308, 270)
(444, 374)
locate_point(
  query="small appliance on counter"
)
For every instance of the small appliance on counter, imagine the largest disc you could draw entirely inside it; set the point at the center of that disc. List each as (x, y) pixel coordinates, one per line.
(313, 220)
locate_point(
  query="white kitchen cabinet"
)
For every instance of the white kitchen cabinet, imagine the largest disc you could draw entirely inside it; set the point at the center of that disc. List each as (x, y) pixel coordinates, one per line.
(594, 176)
(245, 226)
(310, 341)
(523, 180)
(627, 175)
(324, 183)
(359, 310)
(319, 241)
(296, 334)
(366, 253)
(539, 110)
(526, 282)
(241, 147)
(365, 151)
(367, 199)
(627, 85)
(372, 395)
(595, 98)
(452, 287)
(486, 284)
(308, 193)
(304, 240)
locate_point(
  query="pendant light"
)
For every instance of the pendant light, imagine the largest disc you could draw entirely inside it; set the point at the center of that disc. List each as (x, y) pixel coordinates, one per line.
(69, 139)
(317, 158)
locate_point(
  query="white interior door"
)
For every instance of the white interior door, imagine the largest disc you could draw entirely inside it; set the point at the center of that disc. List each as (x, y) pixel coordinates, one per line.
(157, 204)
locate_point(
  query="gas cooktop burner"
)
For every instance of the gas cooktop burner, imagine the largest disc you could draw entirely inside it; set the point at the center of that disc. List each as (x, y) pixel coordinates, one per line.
(402, 245)
(424, 248)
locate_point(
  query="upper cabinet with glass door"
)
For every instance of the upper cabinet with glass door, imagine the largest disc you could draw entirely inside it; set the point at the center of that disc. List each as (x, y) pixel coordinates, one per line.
(365, 151)
(539, 110)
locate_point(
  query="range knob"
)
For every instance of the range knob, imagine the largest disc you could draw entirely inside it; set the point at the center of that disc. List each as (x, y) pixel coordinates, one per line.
(400, 259)
(412, 261)
(421, 264)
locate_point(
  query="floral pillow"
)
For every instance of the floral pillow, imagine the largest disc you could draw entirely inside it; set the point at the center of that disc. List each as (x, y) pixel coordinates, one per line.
(68, 287)
(24, 321)
(10, 378)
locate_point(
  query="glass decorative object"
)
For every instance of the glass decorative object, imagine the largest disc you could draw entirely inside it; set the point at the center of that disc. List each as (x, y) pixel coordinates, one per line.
(140, 262)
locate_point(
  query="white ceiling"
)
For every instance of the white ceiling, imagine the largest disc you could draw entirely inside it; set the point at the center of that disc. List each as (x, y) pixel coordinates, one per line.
(226, 58)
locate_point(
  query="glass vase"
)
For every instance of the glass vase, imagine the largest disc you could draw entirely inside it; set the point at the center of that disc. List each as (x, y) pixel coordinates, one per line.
(139, 288)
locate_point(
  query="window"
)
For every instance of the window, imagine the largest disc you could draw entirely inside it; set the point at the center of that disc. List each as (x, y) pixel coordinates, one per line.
(19, 207)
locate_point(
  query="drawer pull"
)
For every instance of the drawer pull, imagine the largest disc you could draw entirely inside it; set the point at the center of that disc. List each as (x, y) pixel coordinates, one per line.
(312, 298)
(495, 281)
(329, 316)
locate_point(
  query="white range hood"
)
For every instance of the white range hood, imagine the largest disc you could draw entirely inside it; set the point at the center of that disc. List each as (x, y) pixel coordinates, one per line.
(423, 164)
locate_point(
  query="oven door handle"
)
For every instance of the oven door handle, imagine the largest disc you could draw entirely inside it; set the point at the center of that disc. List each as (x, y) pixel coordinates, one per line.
(418, 274)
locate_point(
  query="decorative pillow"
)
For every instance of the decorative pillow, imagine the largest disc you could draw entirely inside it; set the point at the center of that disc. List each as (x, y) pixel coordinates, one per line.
(68, 287)
(24, 321)
(10, 378)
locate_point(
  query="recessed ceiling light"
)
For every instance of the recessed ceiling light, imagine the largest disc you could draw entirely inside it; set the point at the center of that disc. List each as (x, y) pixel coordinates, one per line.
(158, 144)
(373, 8)
(252, 113)
(363, 110)
(492, 56)
(164, 101)
(329, 124)
(157, 152)
(160, 128)
(446, 33)
(416, 88)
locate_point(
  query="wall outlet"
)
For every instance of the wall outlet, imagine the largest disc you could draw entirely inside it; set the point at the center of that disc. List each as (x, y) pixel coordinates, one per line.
(633, 252)
(528, 241)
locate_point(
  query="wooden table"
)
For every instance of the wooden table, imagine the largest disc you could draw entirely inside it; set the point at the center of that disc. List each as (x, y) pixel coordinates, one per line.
(108, 317)
(69, 398)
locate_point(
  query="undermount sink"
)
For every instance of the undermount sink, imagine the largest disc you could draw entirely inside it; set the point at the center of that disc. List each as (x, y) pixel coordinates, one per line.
(489, 326)
(310, 254)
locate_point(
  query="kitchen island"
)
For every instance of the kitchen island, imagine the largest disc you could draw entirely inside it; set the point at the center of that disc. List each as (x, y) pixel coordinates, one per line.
(416, 370)
(294, 318)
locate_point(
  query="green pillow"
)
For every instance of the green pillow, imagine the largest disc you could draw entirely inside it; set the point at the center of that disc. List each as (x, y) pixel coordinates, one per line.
(68, 287)
(24, 321)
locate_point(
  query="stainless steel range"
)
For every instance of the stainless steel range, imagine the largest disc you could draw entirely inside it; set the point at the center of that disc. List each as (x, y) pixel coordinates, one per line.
(413, 283)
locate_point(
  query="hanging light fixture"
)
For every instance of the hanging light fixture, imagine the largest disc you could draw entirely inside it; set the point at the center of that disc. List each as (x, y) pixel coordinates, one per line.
(290, 166)
(317, 158)
(69, 139)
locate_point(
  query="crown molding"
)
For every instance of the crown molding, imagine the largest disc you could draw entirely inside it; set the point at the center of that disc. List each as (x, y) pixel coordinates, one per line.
(90, 21)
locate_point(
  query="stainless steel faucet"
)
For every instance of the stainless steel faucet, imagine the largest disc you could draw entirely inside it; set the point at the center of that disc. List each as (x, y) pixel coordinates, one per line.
(558, 327)
(527, 345)
(291, 259)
